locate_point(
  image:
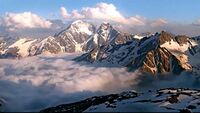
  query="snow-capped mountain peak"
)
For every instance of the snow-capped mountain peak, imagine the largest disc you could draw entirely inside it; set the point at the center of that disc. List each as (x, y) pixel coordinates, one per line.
(73, 37)
(106, 34)
(82, 27)
(105, 30)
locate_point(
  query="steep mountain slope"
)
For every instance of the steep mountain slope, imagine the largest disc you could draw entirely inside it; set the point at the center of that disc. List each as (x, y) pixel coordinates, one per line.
(163, 100)
(104, 34)
(48, 45)
(155, 61)
(69, 40)
(159, 53)
(104, 42)
(72, 38)
(107, 35)
(193, 57)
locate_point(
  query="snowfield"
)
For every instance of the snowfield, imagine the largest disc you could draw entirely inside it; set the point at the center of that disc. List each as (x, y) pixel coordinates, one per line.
(38, 82)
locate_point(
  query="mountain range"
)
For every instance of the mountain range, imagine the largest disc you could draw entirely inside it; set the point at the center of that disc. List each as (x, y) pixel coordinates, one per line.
(160, 53)
(157, 53)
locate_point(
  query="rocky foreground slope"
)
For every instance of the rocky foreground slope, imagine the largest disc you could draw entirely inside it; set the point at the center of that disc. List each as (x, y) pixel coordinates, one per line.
(163, 100)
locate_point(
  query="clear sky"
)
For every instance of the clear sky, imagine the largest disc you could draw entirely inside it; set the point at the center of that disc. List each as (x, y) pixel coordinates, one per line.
(172, 10)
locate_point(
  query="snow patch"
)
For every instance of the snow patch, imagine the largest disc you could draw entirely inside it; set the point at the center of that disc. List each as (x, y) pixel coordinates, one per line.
(138, 37)
(174, 47)
(95, 39)
(78, 47)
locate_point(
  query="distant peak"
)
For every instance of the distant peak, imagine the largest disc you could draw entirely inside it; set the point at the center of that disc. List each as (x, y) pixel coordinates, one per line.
(165, 33)
(105, 26)
(165, 37)
(77, 21)
(105, 22)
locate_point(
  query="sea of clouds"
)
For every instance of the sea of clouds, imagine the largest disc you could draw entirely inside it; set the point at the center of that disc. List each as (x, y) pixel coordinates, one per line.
(34, 83)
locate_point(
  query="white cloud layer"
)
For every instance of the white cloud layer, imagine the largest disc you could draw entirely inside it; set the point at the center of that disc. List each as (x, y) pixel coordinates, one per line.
(24, 20)
(58, 78)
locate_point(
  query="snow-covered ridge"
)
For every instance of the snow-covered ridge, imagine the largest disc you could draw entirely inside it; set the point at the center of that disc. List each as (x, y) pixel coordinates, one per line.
(79, 36)
(70, 40)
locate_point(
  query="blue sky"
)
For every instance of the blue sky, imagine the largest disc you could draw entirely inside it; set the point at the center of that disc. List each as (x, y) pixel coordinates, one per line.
(171, 10)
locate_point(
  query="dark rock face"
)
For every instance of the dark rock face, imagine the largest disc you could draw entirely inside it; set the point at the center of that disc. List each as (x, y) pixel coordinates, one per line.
(85, 104)
(185, 111)
(159, 60)
(105, 36)
(173, 99)
(176, 65)
(188, 100)
(88, 57)
(105, 53)
(101, 45)
(181, 39)
(124, 38)
(165, 37)
(2, 46)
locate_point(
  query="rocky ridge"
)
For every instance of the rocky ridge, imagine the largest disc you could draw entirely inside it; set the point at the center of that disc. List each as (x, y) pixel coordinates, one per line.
(163, 100)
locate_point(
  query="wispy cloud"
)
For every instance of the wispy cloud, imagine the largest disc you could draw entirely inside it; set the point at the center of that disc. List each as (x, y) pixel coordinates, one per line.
(197, 22)
(158, 22)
